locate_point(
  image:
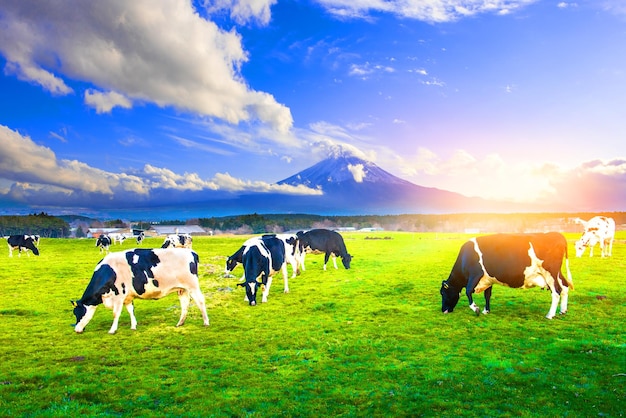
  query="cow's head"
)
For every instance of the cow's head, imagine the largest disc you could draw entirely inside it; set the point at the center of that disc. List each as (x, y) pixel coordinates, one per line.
(83, 315)
(231, 263)
(29, 244)
(589, 239)
(252, 288)
(346, 260)
(449, 297)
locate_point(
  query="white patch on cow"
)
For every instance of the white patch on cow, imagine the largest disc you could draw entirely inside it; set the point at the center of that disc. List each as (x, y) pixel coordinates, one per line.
(535, 274)
(474, 307)
(486, 281)
(135, 259)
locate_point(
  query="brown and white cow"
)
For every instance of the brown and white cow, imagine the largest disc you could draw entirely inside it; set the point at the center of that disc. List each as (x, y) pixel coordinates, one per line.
(514, 260)
(598, 230)
(145, 274)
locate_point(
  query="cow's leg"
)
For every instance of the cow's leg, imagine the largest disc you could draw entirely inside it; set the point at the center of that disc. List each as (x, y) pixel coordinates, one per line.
(117, 311)
(302, 256)
(294, 268)
(266, 291)
(10, 251)
(591, 250)
(335, 260)
(555, 303)
(487, 300)
(131, 311)
(564, 295)
(184, 298)
(198, 299)
(285, 277)
(472, 282)
(326, 257)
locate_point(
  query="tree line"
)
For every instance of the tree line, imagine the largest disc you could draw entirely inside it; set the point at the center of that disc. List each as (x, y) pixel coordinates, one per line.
(36, 224)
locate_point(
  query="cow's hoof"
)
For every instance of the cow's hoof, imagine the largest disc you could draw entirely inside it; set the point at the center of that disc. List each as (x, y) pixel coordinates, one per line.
(549, 317)
(485, 311)
(563, 313)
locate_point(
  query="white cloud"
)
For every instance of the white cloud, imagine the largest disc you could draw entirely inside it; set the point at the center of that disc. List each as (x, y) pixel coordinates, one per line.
(357, 171)
(41, 177)
(242, 11)
(105, 102)
(425, 10)
(165, 54)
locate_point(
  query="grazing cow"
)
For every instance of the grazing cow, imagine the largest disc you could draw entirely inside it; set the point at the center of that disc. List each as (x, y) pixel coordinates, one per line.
(262, 257)
(103, 242)
(292, 253)
(177, 241)
(514, 260)
(599, 229)
(117, 238)
(140, 273)
(21, 243)
(326, 241)
(140, 237)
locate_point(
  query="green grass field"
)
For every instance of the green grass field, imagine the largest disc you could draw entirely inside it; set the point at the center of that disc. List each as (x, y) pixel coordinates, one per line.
(369, 341)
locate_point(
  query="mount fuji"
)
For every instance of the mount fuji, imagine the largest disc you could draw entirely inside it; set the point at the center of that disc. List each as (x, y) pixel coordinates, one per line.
(353, 186)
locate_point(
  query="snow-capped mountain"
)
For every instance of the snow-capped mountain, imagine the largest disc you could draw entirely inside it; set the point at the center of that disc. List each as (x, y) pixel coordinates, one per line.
(353, 185)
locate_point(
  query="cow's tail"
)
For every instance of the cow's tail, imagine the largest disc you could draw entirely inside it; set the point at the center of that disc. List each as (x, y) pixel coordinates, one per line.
(568, 276)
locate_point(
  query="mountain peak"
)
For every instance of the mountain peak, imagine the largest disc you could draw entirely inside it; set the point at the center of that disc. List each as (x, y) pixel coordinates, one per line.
(342, 167)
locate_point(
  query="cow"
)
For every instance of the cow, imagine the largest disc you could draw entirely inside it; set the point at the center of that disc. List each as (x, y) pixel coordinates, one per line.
(326, 241)
(262, 257)
(514, 260)
(21, 243)
(177, 241)
(140, 273)
(103, 243)
(292, 253)
(599, 229)
(140, 237)
(117, 238)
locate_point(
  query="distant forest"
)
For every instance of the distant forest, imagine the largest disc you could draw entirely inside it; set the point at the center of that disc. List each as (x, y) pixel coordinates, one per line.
(60, 227)
(37, 224)
(515, 222)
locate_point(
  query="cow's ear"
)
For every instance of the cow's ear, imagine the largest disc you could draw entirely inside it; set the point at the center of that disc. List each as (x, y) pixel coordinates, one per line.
(445, 284)
(73, 302)
(241, 284)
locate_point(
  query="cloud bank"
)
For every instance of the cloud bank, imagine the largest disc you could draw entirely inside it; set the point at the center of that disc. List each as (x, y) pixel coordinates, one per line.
(36, 177)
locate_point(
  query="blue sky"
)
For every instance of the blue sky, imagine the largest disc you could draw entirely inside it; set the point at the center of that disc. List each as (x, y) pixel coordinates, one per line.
(117, 103)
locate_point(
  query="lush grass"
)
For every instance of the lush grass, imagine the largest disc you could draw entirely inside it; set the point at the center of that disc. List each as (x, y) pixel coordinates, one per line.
(369, 341)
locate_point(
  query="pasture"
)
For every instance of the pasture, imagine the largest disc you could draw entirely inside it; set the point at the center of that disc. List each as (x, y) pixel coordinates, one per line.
(369, 341)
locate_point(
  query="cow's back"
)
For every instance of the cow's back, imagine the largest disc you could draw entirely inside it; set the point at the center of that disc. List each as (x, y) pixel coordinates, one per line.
(506, 256)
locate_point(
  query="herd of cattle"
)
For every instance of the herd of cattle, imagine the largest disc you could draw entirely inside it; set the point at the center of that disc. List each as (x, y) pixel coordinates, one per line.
(513, 260)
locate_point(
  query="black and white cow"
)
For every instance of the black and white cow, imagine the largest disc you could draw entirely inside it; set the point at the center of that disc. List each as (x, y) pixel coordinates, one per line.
(117, 238)
(103, 243)
(21, 243)
(598, 230)
(324, 241)
(145, 274)
(514, 260)
(262, 257)
(177, 241)
(292, 253)
(140, 237)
